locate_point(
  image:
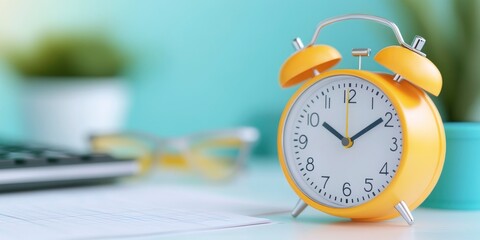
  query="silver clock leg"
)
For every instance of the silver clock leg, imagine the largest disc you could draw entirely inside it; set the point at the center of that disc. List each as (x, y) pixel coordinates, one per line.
(301, 205)
(402, 208)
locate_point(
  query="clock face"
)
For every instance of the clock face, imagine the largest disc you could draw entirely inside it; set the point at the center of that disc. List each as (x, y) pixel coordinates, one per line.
(342, 141)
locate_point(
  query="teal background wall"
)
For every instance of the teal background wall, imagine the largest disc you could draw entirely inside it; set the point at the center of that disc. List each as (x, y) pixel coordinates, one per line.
(199, 64)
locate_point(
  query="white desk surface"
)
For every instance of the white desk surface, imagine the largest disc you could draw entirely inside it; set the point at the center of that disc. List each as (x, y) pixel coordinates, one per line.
(264, 181)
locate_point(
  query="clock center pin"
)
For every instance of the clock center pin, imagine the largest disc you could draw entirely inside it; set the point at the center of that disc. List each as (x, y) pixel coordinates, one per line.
(347, 142)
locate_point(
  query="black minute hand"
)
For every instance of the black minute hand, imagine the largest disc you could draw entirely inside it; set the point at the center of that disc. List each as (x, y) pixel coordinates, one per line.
(368, 128)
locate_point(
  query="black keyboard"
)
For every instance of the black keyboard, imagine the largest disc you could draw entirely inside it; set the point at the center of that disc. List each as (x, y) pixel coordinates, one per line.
(32, 166)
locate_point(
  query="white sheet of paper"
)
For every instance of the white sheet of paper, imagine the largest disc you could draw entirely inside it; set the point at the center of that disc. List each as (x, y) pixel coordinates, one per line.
(119, 211)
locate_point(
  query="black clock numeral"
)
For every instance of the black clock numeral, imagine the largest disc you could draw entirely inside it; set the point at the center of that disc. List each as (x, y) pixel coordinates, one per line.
(303, 140)
(309, 165)
(368, 182)
(326, 180)
(384, 169)
(395, 144)
(372, 103)
(389, 115)
(352, 94)
(313, 119)
(328, 101)
(346, 189)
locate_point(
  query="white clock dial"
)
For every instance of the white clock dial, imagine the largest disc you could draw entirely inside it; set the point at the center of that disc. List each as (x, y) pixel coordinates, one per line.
(342, 141)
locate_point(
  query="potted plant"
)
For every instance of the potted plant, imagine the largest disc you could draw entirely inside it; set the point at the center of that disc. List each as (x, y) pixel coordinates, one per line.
(72, 86)
(452, 30)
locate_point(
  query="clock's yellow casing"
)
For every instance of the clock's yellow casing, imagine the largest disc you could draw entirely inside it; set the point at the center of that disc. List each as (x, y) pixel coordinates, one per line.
(423, 148)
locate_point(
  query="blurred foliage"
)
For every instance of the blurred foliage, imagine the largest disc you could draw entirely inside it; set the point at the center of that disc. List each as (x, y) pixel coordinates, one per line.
(69, 55)
(452, 30)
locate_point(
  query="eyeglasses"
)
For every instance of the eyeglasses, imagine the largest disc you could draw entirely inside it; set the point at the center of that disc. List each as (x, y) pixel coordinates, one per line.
(215, 155)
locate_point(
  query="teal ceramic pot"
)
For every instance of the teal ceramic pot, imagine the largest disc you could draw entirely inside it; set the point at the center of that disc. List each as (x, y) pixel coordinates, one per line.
(459, 183)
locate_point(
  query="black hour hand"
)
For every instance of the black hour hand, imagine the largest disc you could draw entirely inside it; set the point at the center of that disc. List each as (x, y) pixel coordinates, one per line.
(332, 130)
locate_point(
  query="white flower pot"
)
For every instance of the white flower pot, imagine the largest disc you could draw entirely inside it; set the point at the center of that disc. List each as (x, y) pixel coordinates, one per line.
(65, 112)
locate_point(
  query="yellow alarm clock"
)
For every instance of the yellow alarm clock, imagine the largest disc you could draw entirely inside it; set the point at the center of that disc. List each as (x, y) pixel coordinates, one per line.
(358, 144)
